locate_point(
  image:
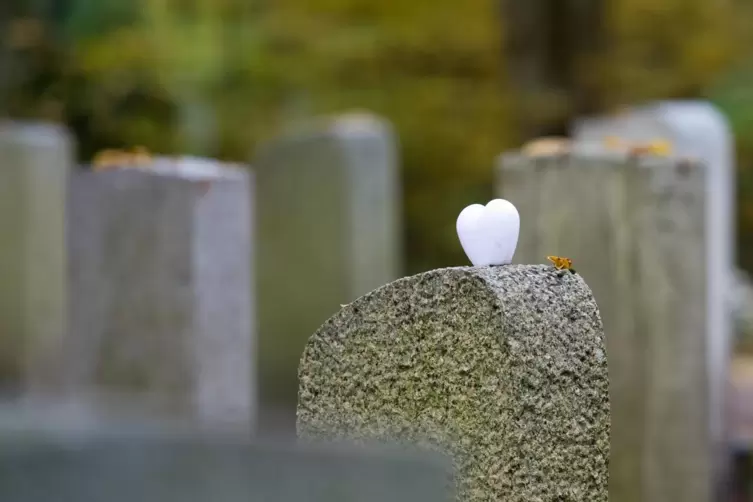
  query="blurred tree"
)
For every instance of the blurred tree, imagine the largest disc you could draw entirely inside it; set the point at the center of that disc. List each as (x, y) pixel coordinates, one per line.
(554, 53)
(243, 71)
(462, 81)
(569, 58)
(671, 48)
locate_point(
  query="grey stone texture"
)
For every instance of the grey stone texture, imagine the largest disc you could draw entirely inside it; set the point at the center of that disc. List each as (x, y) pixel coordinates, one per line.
(502, 368)
(161, 302)
(635, 230)
(328, 212)
(35, 159)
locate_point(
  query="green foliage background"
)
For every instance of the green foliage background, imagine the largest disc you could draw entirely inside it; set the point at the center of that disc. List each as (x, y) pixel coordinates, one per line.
(217, 77)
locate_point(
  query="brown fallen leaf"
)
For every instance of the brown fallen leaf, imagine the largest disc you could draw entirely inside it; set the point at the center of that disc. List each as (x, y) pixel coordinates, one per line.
(546, 147)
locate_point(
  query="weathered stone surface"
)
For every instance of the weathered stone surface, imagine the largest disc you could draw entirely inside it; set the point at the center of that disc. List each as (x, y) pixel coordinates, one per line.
(329, 232)
(503, 368)
(161, 288)
(34, 163)
(636, 231)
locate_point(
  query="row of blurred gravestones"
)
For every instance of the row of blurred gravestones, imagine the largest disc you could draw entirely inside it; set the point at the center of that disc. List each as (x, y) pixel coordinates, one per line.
(145, 284)
(455, 361)
(653, 237)
(154, 284)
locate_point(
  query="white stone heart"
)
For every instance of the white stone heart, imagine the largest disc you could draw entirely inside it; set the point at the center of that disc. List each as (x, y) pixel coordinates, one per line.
(489, 234)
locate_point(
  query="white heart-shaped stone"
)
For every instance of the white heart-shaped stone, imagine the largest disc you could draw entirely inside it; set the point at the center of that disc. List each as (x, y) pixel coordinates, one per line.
(489, 234)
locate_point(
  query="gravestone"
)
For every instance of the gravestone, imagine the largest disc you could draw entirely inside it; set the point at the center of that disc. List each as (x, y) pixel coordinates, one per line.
(125, 462)
(635, 230)
(35, 159)
(328, 209)
(696, 129)
(161, 288)
(501, 368)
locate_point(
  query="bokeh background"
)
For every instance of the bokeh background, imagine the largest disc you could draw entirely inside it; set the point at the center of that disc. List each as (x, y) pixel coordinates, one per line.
(462, 81)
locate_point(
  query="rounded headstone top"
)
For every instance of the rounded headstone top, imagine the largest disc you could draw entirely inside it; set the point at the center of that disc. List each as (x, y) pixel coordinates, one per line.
(703, 113)
(501, 367)
(356, 122)
(353, 123)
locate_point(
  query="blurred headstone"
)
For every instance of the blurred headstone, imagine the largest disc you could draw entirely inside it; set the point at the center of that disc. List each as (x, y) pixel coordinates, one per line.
(160, 278)
(328, 212)
(121, 462)
(699, 130)
(35, 160)
(502, 368)
(635, 230)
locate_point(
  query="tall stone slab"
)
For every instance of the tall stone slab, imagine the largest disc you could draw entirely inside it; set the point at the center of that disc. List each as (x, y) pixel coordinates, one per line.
(162, 305)
(329, 205)
(696, 129)
(501, 368)
(635, 229)
(35, 160)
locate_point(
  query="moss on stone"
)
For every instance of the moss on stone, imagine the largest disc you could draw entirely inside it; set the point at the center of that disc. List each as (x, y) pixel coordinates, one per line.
(503, 368)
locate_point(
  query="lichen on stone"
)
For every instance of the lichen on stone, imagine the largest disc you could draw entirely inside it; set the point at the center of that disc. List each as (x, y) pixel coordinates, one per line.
(502, 368)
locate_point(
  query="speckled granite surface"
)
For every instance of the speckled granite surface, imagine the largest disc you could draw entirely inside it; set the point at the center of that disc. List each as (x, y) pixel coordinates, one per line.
(503, 368)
